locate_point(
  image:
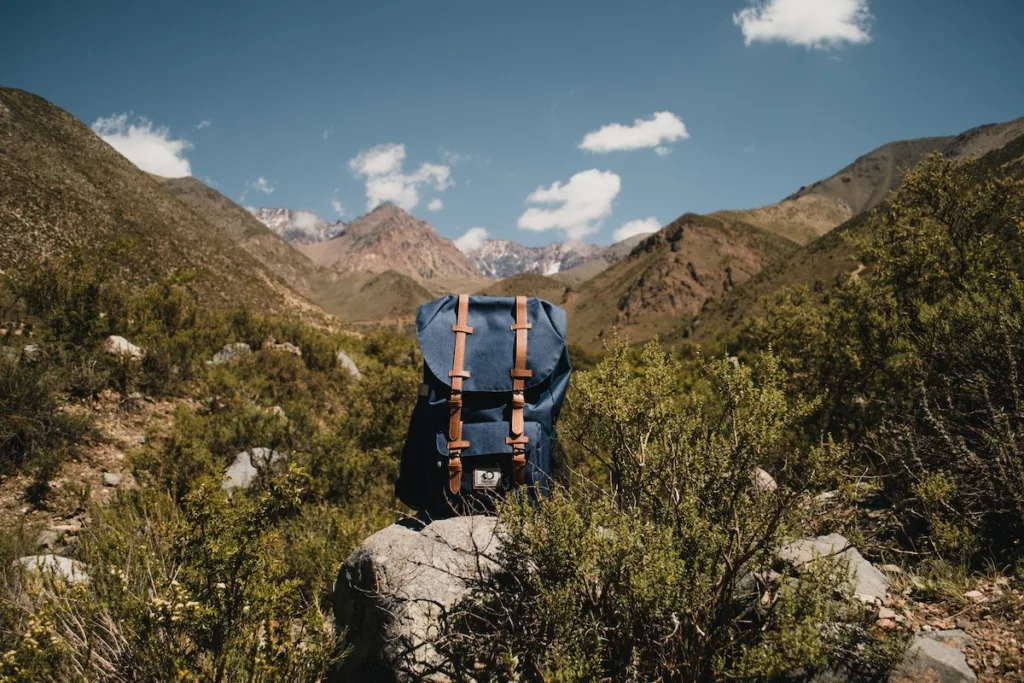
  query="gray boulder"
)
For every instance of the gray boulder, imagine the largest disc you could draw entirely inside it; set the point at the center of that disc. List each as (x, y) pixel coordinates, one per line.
(32, 353)
(764, 482)
(393, 588)
(230, 353)
(36, 571)
(868, 583)
(953, 637)
(349, 365)
(930, 660)
(247, 466)
(119, 346)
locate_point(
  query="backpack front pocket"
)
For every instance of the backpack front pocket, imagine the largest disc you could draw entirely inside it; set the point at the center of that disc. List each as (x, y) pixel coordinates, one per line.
(487, 462)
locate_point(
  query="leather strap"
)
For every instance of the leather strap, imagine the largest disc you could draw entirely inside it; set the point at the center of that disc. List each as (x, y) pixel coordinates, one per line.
(520, 374)
(456, 444)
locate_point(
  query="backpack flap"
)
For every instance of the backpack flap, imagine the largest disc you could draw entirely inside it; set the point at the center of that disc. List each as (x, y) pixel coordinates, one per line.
(490, 349)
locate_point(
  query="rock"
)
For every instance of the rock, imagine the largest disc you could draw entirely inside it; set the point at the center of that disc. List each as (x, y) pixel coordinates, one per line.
(763, 481)
(32, 353)
(826, 497)
(71, 527)
(246, 467)
(48, 538)
(977, 596)
(953, 638)
(886, 613)
(111, 479)
(929, 660)
(287, 347)
(349, 365)
(869, 584)
(119, 346)
(230, 353)
(34, 568)
(392, 589)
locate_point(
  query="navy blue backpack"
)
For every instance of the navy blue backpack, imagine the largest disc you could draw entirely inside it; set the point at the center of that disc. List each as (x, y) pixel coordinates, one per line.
(494, 378)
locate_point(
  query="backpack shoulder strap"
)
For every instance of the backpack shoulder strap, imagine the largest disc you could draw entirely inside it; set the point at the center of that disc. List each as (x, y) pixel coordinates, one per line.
(456, 444)
(520, 373)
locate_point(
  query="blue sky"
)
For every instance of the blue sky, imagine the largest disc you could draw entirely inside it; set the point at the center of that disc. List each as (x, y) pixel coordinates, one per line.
(484, 105)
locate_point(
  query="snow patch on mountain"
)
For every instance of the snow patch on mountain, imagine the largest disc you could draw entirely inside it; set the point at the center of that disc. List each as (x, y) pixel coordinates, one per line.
(299, 226)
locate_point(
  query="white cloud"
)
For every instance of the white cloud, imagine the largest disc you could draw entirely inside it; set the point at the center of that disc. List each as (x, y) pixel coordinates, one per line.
(205, 123)
(307, 221)
(149, 147)
(638, 227)
(472, 240)
(809, 23)
(453, 158)
(662, 150)
(386, 181)
(328, 132)
(663, 127)
(435, 204)
(261, 184)
(586, 200)
(338, 208)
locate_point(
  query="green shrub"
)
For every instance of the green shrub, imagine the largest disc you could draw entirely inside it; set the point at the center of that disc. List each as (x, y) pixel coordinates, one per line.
(35, 431)
(201, 592)
(640, 578)
(921, 360)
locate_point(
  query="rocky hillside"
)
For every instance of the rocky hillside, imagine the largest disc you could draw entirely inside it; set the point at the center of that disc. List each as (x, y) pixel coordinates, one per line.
(832, 257)
(600, 261)
(388, 238)
(63, 189)
(299, 227)
(670, 276)
(816, 209)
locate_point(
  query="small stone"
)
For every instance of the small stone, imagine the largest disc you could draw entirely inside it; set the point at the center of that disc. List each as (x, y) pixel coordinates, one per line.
(111, 479)
(926, 628)
(764, 482)
(119, 346)
(141, 439)
(230, 353)
(826, 496)
(348, 365)
(247, 466)
(886, 613)
(62, 568)
(887, 624)
(977, 596)
(48, 538)
(71, 527)
(32, 353)
(900, 619)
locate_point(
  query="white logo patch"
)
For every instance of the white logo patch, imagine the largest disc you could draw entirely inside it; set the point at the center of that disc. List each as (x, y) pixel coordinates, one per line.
(486, 478)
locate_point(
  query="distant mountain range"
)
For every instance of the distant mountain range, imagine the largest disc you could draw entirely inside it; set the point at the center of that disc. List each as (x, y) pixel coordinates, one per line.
(495, 259)
(64, 190)
(299, 227)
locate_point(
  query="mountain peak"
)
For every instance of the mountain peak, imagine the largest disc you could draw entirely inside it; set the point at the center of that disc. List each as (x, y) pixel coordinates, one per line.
(390, 238)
